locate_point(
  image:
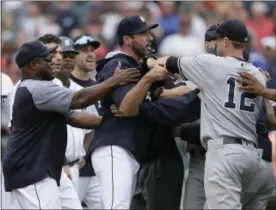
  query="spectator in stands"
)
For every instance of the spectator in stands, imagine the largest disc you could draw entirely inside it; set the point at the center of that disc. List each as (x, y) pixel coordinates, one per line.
(259, 23)
(182, 43)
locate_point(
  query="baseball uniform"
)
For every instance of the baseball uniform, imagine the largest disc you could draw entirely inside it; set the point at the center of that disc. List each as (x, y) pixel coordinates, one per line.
(67, 192)
(38, 133)
(228, 126)
(88, 186)
(6, 90)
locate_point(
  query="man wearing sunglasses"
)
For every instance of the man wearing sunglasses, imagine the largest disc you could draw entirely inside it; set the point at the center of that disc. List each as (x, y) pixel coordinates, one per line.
(35, 152)
(228, 119)
(66, 188)
(51, 40)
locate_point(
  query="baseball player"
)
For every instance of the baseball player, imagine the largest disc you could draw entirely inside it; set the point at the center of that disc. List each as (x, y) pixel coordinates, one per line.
(39, 132)
(74, 150)
(68, 193)
(228, 119)
(194, 190)
(6, 90)
(89, 186)
(116, 147)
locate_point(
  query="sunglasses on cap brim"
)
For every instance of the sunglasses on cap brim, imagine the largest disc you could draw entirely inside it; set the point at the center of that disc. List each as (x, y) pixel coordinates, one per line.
(85, 40)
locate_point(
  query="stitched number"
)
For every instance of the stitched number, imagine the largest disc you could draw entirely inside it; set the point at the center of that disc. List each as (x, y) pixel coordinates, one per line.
(231, 96)
(230, 103)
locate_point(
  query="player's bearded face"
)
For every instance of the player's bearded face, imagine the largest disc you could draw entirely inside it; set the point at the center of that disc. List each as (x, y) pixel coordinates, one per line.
(141, 44)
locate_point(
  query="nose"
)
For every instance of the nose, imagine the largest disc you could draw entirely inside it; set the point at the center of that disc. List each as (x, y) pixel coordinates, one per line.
(150, 36)
(59, 57)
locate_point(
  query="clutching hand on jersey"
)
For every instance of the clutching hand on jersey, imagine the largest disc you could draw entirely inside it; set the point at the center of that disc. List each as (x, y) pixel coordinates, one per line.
(248, 82)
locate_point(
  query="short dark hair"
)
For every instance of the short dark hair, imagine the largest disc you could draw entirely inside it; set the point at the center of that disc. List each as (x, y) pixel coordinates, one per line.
(121, 41)
(49, 38)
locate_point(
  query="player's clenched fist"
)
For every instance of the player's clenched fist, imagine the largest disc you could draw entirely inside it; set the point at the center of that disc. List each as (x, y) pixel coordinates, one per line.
(157, 73)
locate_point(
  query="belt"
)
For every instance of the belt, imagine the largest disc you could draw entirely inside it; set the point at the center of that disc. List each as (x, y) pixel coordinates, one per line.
(73, 162)
(233, 140)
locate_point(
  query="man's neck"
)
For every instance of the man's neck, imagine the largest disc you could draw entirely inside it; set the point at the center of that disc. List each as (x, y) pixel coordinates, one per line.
(65, 81)
(24, 77)
(130, 53)
(80, 74)
(235, 53)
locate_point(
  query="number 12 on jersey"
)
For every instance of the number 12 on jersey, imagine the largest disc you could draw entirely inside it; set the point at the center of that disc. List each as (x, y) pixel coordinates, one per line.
(231, 97)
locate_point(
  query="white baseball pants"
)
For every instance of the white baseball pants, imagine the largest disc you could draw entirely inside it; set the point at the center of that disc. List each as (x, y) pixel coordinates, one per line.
(41, 195)
(68, 194)
(75, 176)
(116, 169)
(89, 192)
(5, 196)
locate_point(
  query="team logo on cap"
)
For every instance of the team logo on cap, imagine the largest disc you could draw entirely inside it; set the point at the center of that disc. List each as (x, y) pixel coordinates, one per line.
(142, 19)
(67, 42)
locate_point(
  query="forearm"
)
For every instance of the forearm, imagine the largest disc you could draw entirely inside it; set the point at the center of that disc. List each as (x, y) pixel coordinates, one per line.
(85, 120)
(87, 96)
(270, 115)
(135, 96)
(269, 94)
(177, 91)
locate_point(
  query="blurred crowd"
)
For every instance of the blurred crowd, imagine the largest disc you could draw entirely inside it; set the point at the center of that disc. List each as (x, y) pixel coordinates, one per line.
(181, 31)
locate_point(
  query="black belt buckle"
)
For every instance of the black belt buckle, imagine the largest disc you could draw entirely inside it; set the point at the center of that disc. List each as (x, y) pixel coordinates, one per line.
(73, 162)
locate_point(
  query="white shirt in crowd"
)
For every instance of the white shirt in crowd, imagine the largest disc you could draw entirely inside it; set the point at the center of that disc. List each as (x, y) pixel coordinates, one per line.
(179, 45)
(6, 90)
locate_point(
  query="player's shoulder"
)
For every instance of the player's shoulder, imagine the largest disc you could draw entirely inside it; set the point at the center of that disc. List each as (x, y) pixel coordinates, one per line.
(38, 86)
(6, 81)
(207, 57)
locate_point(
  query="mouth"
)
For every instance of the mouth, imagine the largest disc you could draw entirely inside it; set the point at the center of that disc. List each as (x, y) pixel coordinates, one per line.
(149, 48)
(89, 61)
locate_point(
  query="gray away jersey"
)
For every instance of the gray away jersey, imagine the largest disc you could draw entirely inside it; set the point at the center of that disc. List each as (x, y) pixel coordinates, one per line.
(225, 109)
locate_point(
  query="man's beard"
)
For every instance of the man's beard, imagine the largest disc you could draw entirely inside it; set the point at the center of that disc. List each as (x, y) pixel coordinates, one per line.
(139, 51)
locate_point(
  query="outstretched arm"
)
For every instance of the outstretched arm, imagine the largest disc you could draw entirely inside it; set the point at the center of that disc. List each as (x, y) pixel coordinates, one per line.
(91, 95)
(83, 120)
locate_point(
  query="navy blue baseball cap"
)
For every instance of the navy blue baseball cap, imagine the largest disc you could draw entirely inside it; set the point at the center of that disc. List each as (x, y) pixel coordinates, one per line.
(29, 51)
(209, 33)
(235, 30)
(133, 25)
(86, 40)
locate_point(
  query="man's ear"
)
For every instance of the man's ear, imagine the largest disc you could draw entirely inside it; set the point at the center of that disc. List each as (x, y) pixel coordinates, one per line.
(127, 40)
(34, 65)
(225, 41)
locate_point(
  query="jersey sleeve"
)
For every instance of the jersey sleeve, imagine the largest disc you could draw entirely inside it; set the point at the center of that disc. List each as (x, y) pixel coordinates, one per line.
(172, 111)
(48, 96)
(193, 68)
